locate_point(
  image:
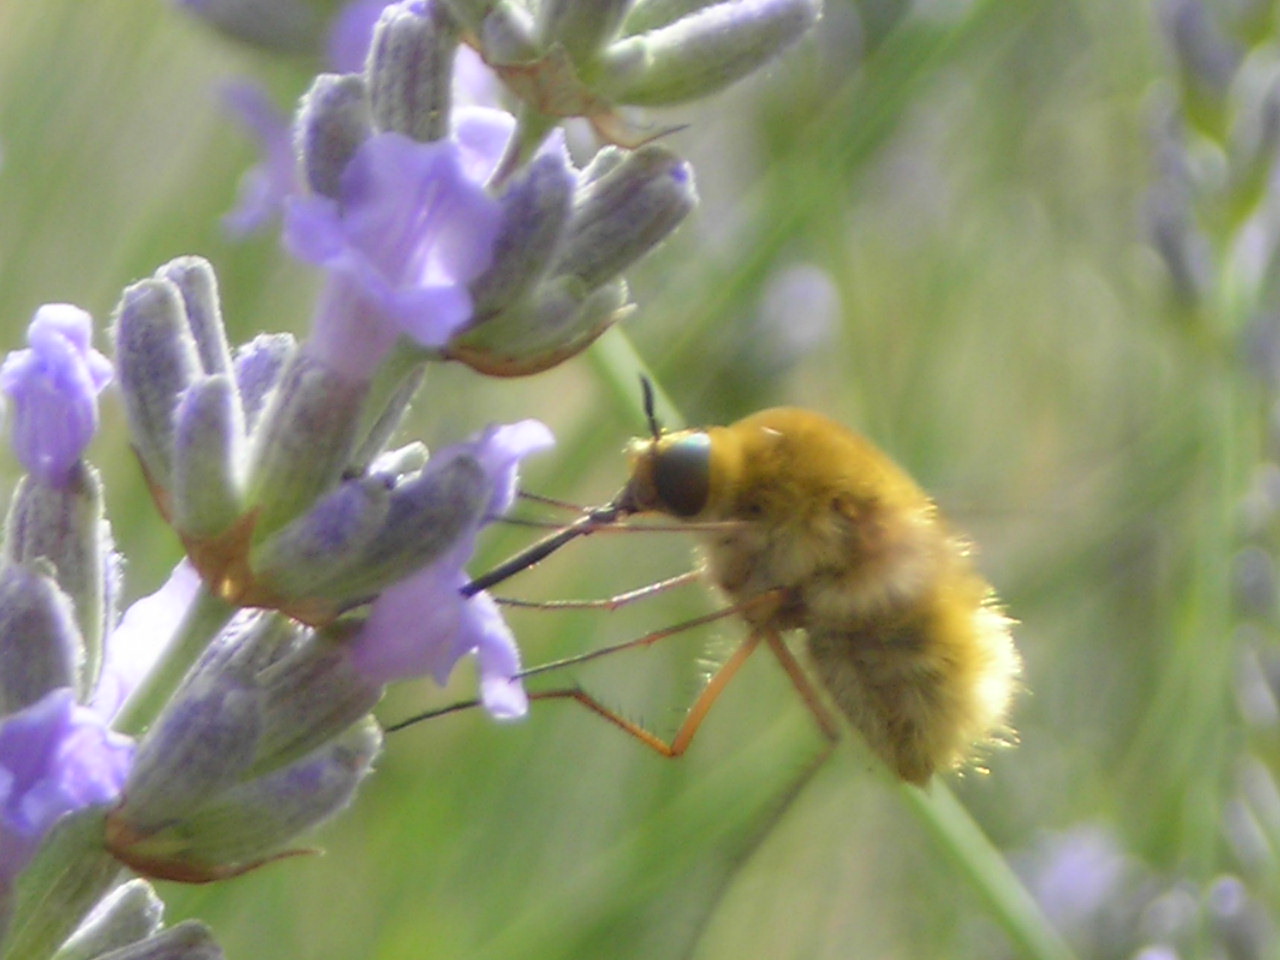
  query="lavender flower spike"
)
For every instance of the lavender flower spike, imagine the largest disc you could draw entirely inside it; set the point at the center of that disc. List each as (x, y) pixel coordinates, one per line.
(56, 757)
(54, 387)
(424, 624)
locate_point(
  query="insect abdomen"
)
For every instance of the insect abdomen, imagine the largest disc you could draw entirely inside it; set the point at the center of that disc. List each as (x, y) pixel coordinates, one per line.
(926, 691)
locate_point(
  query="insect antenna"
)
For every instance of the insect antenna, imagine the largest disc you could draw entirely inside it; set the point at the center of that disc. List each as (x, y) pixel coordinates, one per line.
(650, 403)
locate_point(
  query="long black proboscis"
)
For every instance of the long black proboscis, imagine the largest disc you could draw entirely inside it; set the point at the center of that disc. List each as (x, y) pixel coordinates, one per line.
(600, 516)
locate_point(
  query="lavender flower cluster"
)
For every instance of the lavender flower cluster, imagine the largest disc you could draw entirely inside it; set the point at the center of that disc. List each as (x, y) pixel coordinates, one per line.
(198, 734)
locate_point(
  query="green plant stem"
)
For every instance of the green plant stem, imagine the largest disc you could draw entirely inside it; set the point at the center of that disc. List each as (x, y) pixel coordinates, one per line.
(987, 872)
(206, 615)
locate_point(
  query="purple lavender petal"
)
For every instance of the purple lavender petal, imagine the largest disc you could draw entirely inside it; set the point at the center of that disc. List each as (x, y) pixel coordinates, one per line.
(498, 658)
(500, 448)
(483, 135)
(266, 185)
(140, 637)
(54, 386)
(351, 33)
(411, 232)
(414, 628)
(56, 757)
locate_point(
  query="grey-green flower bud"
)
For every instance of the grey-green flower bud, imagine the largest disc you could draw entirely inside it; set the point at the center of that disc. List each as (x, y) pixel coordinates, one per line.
(535, 210)
(360, 540)
(428, 513)
(333, 120)
(625, 213)
(506, 32)
(67, 528)
(260, 816)
(196, 281)
(250, 823)
(130, 913)
(156, 360)
(199, 747)
(558, 320)
(410, 71)
(304, 442)
(259, 364)
(207, 493)
(646, 15)
(189, 940)
(40, 647)
(702, 52)
(580, 26)
(314, 694)
(317, 549)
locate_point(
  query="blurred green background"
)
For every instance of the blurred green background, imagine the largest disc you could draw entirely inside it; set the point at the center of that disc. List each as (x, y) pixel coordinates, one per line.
(962, 187)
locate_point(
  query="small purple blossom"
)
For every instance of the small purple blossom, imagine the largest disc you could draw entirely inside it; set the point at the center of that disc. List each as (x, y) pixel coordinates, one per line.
(264, 186)
(424, 624)
(413, 227)
(56, 757)
(54, 387)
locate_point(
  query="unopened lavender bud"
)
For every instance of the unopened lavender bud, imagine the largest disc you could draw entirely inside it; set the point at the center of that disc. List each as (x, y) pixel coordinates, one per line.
(304, 443)
(702, 52)
(428, 514)
(333, 120)
(156, 360)
(506, 31)
(40, 646)
(313, 695)
(410, 70)
(207, 494)
(206, 738)
(606, 159)
(557, 321)
(334, 556)
(535, 209)
(646, 15)
(66, 527)
(289, 26)
(189, 940)
(196, 281)
(129, 914)
(625, 214)
(246, 825)
(258, 367)
(580, 26)
(308, 555)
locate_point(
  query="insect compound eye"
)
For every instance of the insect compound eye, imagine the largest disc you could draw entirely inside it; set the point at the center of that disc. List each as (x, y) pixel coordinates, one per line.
(682, 474)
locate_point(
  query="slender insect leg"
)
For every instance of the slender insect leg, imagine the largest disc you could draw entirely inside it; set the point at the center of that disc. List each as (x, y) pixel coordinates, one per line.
(551, 502)
(692, 719)
(804, 687)
(607, 603)
(764, 600)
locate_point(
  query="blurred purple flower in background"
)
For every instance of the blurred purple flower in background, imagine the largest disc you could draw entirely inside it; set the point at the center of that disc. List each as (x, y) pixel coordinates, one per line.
(54, 387)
